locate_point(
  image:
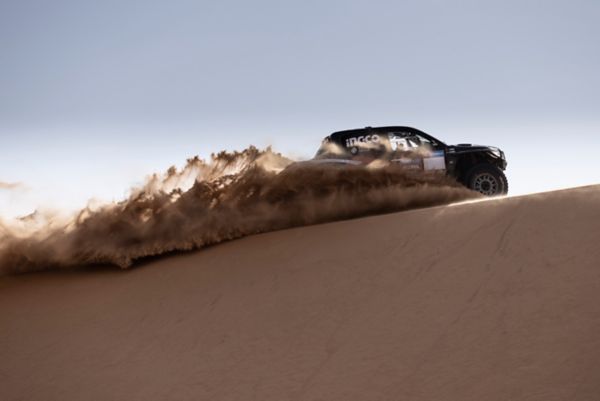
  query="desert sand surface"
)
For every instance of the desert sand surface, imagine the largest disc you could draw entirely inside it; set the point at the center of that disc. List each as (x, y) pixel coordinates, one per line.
(493, 300)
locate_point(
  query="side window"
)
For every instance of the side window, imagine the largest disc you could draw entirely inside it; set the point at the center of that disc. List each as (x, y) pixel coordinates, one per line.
(414, 141)
(409, 141)
(397, 142)
(402, 141)
(428, 143)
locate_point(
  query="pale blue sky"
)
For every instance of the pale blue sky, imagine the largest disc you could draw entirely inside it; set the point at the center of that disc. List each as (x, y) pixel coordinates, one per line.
(95, 95)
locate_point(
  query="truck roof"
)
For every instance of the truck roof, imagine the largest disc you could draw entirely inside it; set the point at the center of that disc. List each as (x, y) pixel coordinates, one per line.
(338, 135)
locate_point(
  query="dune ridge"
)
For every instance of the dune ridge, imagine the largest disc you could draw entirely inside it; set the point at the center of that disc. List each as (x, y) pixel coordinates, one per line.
(496, 300)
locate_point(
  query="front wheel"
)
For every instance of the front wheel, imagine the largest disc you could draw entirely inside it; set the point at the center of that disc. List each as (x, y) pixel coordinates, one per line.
(488, 180)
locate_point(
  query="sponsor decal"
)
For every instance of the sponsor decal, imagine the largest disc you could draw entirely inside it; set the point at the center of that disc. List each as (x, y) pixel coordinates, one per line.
(357, 141)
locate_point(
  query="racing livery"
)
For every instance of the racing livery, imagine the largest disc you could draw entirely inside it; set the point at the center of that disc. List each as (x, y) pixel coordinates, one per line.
(480, 168)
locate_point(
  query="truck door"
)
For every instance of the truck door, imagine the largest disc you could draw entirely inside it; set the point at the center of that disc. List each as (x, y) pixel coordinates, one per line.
(413, 151)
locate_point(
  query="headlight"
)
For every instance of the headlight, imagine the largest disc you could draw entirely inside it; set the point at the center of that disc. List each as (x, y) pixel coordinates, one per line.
(497, 152)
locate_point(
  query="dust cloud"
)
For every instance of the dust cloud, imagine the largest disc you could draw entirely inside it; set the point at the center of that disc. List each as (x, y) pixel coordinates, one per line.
(231, 195)
(10, 186)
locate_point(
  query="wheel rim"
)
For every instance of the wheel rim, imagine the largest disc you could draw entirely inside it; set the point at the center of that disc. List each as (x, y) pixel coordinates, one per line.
(486, 184)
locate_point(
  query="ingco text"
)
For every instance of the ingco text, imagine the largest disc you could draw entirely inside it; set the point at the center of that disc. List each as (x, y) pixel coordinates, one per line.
(357, 141)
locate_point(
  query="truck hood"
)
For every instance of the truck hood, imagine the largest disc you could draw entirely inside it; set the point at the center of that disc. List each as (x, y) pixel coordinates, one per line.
(467, 147)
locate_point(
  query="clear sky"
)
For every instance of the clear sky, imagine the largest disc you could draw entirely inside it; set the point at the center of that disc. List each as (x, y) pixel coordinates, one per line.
(95, 95)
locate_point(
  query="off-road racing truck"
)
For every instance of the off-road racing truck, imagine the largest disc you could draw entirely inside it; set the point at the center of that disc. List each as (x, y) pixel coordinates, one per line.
(479, 168)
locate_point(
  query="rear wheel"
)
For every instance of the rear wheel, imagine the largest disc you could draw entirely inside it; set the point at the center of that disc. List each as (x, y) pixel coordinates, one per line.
(488, 180)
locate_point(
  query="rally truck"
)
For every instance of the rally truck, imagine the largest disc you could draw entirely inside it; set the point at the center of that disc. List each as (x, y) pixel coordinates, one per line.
(480, 168)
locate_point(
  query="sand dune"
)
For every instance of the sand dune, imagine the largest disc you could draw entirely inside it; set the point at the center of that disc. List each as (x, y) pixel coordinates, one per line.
(495, 300)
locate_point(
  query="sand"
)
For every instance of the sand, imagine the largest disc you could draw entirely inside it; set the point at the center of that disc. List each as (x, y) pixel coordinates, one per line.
(494, 300)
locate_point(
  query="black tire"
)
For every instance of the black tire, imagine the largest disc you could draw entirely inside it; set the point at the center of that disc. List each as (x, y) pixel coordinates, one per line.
(487, 179)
